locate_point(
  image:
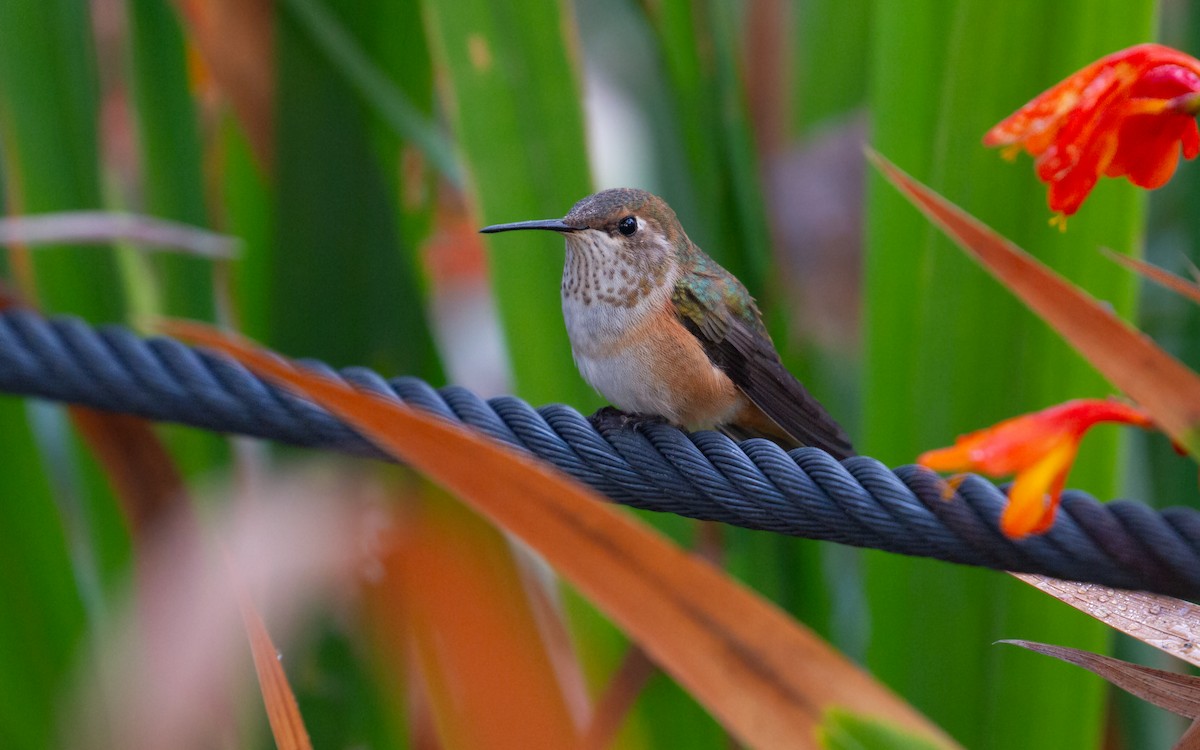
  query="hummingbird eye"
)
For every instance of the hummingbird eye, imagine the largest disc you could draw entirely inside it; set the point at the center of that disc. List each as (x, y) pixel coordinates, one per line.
(627, 226)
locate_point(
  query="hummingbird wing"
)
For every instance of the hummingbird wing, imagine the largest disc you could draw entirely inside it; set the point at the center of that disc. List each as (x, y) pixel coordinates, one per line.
(729, 328)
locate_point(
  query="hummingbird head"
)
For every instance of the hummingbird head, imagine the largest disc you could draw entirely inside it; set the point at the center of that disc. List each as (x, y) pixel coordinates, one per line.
(622, 242)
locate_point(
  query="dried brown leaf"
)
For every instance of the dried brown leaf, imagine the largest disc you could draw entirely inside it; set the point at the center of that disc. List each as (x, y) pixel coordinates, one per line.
(1177, 693)
(552, 625)
(141, 471)
(766, 677)
(1158, 275)
(236, 41)
(1190, 739)
(1158, 382)
(618, 699)
(1170, 625)
(283, 714)
(453, 592)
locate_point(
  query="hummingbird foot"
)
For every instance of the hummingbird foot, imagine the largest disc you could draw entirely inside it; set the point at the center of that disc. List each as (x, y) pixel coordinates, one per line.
(610, 418)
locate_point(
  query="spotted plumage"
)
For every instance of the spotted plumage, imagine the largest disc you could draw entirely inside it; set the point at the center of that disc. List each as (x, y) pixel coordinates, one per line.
(660, 329)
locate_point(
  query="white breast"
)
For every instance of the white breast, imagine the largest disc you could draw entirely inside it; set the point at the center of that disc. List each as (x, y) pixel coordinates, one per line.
(618, 337)
(604, 341)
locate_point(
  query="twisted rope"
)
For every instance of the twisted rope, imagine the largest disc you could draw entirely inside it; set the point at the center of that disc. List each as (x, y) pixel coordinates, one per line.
(702, 475)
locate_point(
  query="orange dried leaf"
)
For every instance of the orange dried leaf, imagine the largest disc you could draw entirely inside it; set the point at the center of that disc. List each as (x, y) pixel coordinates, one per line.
(1190, 739)
(235, 38)
(454, 596)
(1168, 624)
(141, 471)
(1188, 289)
(765, 677)
(287, 726)
(1159, 383)
(618, 699)
(1177, 693)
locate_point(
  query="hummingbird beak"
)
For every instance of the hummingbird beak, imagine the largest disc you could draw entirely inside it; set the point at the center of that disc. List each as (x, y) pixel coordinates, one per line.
(554, 225)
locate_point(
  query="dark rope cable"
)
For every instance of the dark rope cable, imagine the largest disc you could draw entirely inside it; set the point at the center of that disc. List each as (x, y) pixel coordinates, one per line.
(704, 475)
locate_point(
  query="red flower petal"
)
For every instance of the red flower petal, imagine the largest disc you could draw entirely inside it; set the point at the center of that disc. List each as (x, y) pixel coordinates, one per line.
(1039, 448)
(1114, 117)
(1034, 496)
(1149, 148)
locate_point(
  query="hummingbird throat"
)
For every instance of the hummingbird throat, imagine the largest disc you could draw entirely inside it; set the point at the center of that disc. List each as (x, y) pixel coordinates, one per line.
(601, 270)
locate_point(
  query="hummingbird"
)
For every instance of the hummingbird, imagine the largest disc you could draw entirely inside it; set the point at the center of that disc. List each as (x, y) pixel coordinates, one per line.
(662, 331)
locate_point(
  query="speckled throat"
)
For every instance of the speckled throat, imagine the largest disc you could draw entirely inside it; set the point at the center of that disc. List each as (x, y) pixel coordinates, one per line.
(600, 269)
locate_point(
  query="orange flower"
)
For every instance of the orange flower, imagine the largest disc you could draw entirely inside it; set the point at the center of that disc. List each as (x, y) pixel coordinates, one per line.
(1127, 114)
(1039, 448)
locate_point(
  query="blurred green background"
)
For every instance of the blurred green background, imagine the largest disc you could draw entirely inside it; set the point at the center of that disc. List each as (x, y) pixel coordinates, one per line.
(354, 146)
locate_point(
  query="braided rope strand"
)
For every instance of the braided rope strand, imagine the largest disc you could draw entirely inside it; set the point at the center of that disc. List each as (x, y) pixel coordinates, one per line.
(702, 475)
